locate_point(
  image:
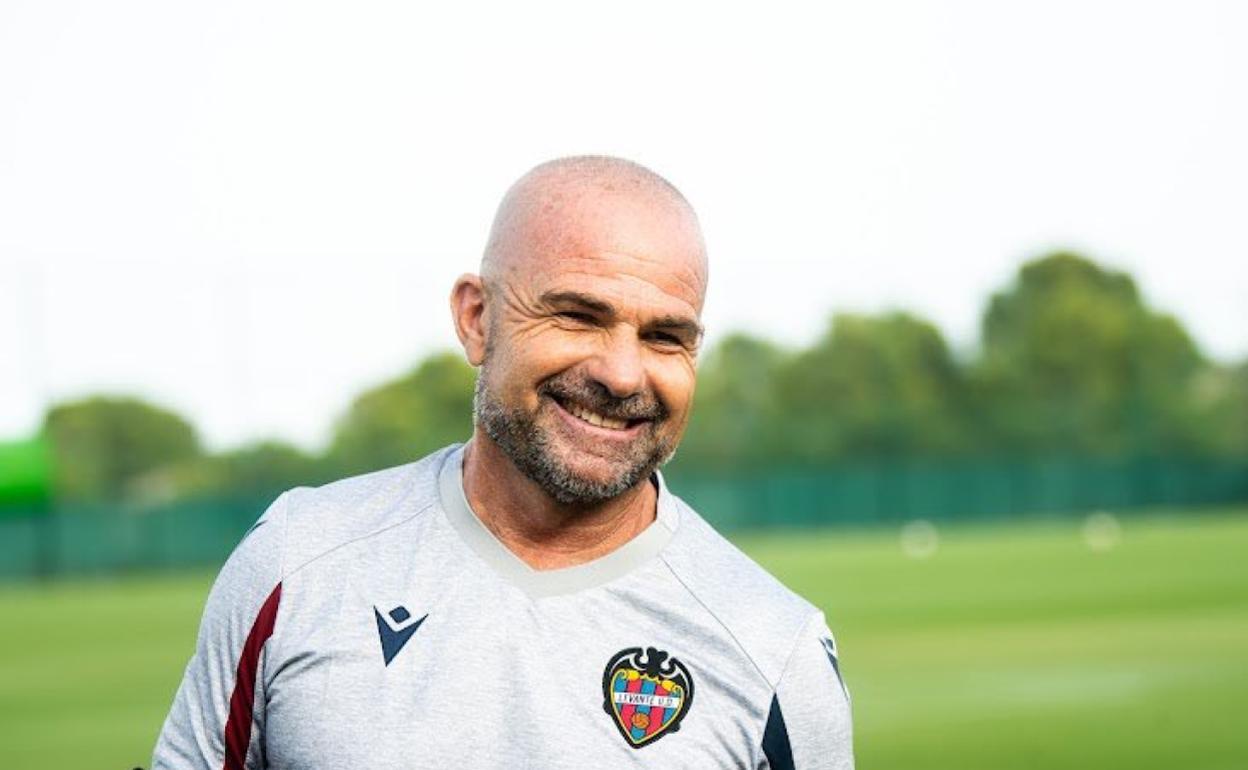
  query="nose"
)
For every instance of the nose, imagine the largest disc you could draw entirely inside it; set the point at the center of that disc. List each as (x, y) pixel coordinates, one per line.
(618, 364)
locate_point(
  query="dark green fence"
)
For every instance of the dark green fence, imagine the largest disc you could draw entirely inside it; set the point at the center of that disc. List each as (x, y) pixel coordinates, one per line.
(103, 540)
(882, 493)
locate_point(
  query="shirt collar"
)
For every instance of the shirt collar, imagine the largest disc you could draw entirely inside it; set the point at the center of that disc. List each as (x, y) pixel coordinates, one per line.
(538, 583)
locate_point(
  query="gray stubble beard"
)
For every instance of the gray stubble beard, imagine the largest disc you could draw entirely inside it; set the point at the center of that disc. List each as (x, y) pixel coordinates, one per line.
(528, 448)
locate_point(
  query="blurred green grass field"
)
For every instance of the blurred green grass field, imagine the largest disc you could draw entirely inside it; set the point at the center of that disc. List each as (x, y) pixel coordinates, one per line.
(1012, 646)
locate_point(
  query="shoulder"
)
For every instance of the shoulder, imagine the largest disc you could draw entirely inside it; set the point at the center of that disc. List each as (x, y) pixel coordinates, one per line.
(321, 519)
(763, 615)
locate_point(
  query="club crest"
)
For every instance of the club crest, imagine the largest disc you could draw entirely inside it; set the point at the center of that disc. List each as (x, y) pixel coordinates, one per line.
(646, 693)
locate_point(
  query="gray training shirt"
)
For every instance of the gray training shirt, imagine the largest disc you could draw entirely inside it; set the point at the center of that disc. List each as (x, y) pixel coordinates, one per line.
(376, 623)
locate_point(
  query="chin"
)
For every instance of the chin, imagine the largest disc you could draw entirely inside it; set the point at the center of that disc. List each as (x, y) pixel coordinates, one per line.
(591, 468)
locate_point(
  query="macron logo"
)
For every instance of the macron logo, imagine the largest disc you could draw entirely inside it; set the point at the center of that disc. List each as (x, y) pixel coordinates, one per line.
(395, 630)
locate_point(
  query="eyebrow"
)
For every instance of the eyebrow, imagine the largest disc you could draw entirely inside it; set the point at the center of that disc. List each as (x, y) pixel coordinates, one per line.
(592, 303)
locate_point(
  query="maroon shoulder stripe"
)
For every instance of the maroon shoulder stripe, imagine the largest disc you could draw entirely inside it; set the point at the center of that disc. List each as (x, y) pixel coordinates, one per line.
(238, 726)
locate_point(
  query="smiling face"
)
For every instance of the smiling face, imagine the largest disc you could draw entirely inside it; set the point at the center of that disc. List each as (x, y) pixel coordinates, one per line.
(592, 295)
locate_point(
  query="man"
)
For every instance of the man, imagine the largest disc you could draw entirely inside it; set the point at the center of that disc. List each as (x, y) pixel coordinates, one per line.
(536, 598)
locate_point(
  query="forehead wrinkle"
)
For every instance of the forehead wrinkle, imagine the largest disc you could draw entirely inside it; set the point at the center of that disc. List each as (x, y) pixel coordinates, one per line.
(657, 271)
(611, 235)
(595, 284)
(675, 265)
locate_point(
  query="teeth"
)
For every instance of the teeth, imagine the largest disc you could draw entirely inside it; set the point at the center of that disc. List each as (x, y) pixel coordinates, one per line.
(594, 418)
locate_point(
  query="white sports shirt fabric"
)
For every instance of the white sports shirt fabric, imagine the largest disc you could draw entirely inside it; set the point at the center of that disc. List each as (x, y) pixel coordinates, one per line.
(376, 623)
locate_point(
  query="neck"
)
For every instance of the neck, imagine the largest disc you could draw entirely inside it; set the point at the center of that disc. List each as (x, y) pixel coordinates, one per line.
(543, 532)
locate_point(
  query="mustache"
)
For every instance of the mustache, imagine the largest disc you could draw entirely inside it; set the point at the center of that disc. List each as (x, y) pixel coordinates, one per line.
(594, 396)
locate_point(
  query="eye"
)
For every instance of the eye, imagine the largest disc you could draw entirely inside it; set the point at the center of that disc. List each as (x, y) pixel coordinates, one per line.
(573, 315)
(666, 339)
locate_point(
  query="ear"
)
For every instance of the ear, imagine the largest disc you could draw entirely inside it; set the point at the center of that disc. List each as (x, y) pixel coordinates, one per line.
(468, 315)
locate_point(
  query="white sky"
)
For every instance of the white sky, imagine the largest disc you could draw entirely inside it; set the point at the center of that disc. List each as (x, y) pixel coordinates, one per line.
(249, 211)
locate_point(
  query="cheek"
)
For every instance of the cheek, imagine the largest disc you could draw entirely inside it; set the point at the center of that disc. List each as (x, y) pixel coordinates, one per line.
(530, 360)
(675, 383)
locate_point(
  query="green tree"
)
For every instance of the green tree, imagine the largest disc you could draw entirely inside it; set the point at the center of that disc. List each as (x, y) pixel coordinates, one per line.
(1220, 412)
(103, 443)
(271, 466)
(873, 386)
(402, 420)
(263, 468)
(1236, 416)
(734, 421)
(1073, 359)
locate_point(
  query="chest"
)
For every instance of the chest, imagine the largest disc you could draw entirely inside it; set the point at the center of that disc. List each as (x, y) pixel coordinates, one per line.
(479, 678)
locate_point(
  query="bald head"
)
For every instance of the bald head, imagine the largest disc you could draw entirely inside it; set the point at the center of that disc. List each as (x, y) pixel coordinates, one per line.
(592, 202)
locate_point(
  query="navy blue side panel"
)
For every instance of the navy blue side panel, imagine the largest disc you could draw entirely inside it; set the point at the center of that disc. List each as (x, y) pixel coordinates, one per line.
(776, 739)
(830, 649)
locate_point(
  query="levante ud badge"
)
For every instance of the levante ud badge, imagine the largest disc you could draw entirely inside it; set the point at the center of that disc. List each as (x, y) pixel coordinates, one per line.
(646, 693)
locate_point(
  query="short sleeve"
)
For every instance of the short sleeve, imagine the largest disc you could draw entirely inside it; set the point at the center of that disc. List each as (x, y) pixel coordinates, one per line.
(808, 724)
(217, 717)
